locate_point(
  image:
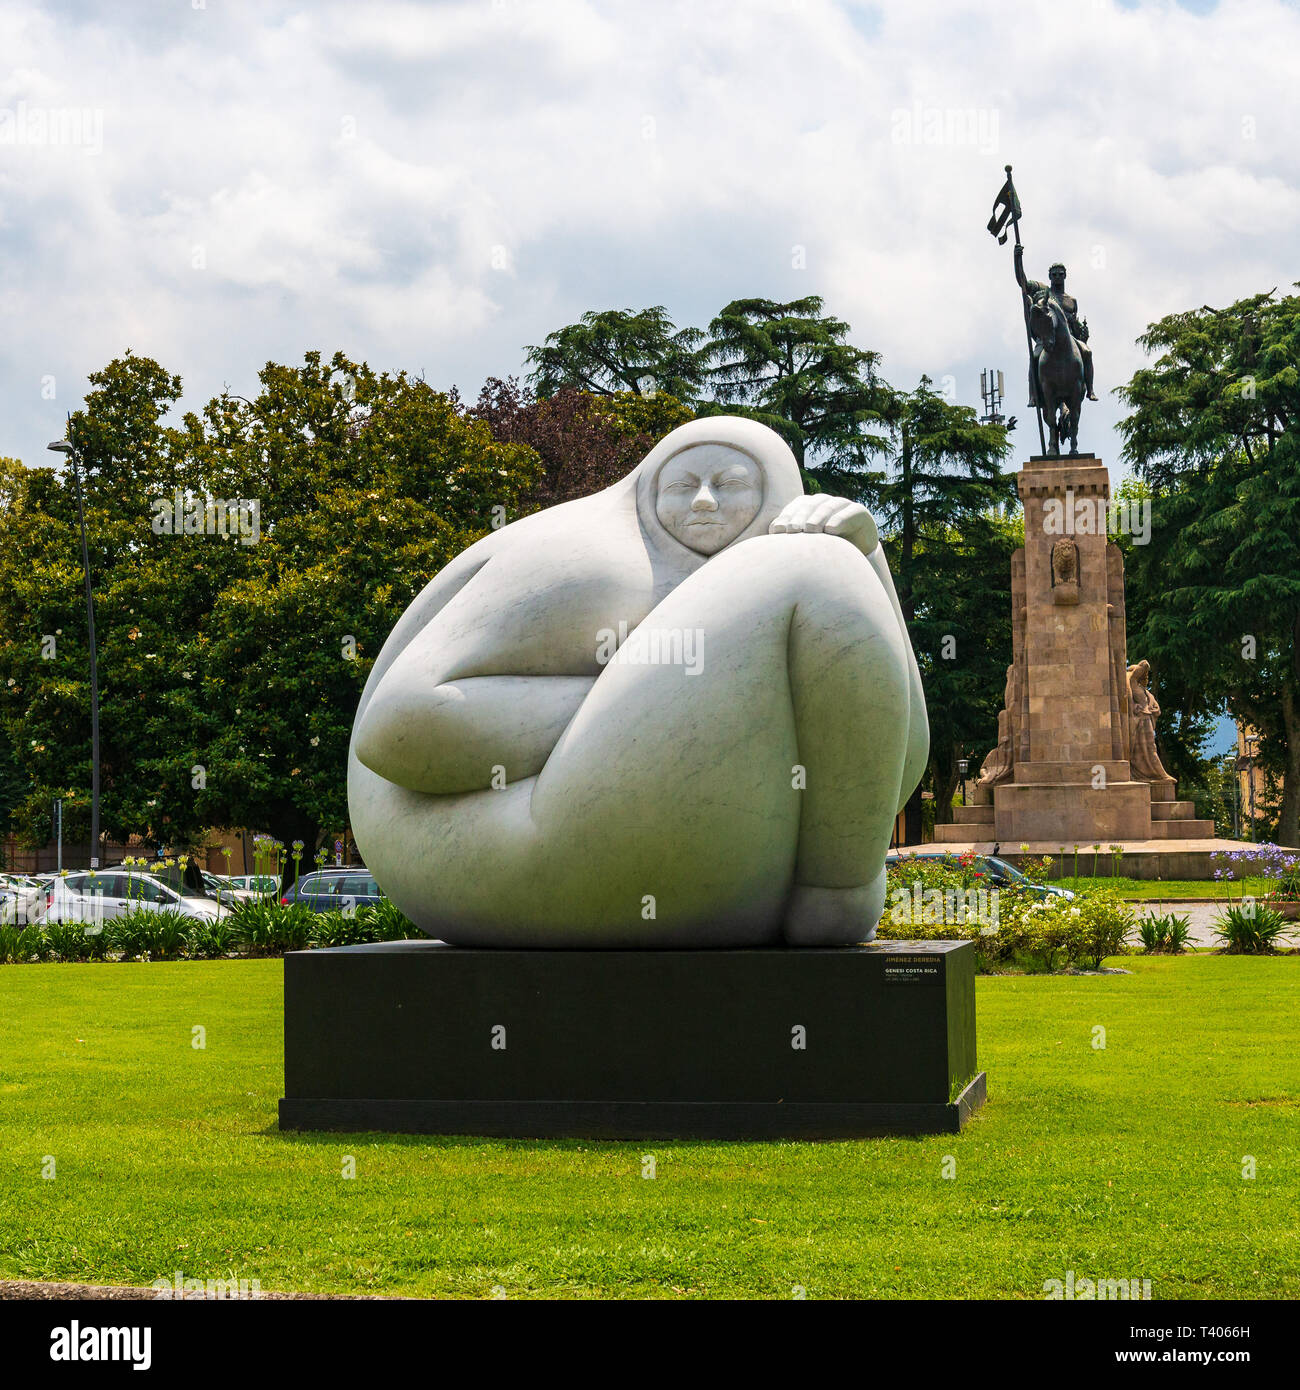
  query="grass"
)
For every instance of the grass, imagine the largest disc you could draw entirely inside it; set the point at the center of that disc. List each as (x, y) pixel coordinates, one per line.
(1145, 888)
(1117, 1163)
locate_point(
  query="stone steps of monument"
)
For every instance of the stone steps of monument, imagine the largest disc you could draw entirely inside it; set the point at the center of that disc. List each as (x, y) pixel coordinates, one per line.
(1182, 829)
(955, 835)
(973, 815)
(1173, 810)
(1163, 791)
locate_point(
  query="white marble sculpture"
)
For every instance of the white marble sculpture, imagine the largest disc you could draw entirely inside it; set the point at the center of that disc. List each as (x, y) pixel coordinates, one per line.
(682, 712)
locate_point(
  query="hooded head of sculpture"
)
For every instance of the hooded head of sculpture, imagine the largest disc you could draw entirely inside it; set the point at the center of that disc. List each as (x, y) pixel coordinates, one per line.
(713, 482)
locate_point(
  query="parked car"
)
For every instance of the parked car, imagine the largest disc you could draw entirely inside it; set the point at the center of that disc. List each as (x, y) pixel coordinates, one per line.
(260, 885)
(95, 896)
(324, 889)
(226, 892)
(22, 900)
(997, 872)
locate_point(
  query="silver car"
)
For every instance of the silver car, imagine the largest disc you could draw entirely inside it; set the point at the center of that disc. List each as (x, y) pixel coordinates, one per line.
(230, 893)
(259, 885)
(94, 896)
(22, 900)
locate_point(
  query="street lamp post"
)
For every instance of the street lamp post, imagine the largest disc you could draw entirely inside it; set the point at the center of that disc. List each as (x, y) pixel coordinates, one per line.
(64, 446)
(1251, 743)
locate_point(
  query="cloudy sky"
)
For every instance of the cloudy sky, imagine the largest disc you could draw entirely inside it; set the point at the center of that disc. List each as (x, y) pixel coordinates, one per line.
(433, 186)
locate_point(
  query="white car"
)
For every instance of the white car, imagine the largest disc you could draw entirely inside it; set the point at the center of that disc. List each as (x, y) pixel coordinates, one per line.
(257, 885)
(22, 899)
(230, 893)
(95, 896)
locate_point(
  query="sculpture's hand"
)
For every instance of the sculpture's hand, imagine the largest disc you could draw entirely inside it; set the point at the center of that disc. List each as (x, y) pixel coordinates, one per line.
(835, 516)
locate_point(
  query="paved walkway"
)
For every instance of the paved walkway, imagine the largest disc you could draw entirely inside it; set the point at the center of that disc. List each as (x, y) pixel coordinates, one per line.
(1201, 914)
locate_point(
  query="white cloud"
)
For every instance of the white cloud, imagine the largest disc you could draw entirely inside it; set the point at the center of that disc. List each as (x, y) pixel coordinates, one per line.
(434, 186)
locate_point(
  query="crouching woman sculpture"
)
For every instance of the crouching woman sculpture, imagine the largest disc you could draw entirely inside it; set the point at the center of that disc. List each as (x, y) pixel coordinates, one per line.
(682, 712)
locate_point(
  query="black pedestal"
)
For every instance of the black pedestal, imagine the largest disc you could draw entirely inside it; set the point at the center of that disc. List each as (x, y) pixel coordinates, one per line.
(419, 1037)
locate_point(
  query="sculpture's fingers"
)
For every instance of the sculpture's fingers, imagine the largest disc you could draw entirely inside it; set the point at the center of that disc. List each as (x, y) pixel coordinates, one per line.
(807, 509)
(855, 523)
(791, 517)
(821, 511)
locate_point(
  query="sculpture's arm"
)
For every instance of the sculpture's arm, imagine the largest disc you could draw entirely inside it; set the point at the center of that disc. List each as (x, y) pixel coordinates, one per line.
(463, 696)
(426, 605)
(464, 735)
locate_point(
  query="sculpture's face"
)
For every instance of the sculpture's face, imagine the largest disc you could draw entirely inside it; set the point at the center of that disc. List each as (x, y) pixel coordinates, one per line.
(707, 495)
(1057, 277)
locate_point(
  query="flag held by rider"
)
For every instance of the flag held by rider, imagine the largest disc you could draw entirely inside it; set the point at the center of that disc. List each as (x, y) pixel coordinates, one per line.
(1006, 208)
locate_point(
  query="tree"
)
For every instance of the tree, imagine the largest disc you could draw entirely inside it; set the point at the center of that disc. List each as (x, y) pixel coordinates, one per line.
(1187, 720)
(13, 789)
(937, 502)
(370, 484)
(148, 601)
(790, 367)
(615, 350)
(231, 657)
(1214, 430)
(584, 442)
(961, 600)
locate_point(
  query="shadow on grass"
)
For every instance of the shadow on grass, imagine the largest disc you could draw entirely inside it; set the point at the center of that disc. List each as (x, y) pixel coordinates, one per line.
(320, 1138)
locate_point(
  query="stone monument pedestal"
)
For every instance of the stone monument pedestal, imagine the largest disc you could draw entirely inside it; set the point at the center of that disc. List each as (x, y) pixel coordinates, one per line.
(1076, 759)
(835, 1043)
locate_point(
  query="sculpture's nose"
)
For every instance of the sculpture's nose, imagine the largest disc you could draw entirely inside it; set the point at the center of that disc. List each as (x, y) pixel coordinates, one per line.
(704, 501)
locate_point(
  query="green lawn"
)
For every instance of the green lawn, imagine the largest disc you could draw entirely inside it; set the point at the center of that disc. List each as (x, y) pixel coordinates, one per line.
(1117, 1163)
(1171, 887)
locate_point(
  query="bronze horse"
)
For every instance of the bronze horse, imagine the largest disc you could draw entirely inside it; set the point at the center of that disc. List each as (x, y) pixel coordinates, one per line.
(1058, 367)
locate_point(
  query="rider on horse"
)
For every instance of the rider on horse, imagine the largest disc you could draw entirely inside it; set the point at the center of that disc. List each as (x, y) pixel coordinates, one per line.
(1069, 308)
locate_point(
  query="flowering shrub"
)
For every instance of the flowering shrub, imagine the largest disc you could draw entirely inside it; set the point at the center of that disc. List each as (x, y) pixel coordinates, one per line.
(929, 900)
(1268, 861)
(1106, 923)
